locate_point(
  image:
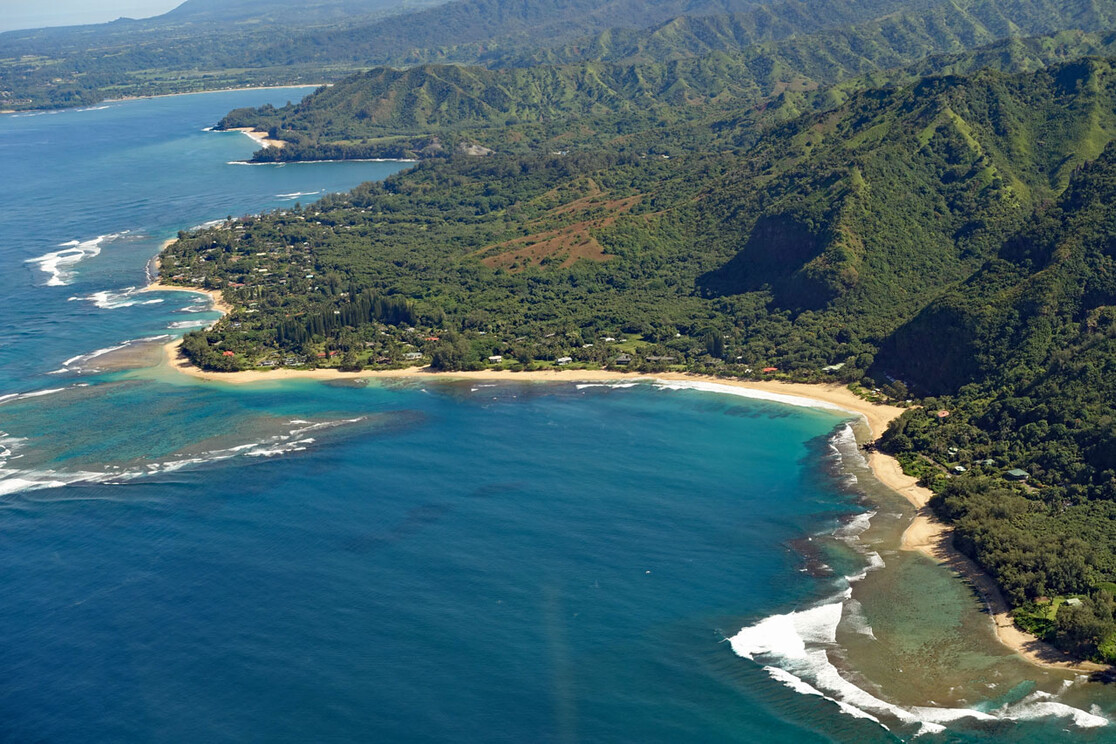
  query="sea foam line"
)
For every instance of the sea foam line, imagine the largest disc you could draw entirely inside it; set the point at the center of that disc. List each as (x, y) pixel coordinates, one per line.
(722, 389)
(311, 162)
(14, 481)
(78, 363)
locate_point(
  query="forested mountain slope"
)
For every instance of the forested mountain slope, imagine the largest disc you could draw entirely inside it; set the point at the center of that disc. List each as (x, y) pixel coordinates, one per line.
(1039, 322)
(378, 113)
(827, 200)
(911, 29)
(771, 44)
(204, 43)
(856, 218)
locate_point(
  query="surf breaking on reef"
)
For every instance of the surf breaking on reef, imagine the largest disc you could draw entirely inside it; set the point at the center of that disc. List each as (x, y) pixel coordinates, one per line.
(60, 264)
(794, 647)
(14, 480)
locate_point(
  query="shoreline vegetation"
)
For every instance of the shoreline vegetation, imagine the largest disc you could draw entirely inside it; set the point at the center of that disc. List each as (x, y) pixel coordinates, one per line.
(926, 534)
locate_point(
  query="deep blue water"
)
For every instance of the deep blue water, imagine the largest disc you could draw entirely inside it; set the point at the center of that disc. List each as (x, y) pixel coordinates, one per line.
(394, 562)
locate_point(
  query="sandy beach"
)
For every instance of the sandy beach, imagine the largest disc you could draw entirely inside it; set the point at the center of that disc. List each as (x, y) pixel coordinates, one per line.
(934, 539)
(925, 534)
(258, 136)
(215, 297)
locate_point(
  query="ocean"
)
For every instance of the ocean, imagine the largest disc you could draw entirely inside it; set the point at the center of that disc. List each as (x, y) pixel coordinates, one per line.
(420, 561)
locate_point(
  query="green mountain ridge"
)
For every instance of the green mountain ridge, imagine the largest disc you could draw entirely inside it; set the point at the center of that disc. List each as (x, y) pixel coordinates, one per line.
(203, 48)
(856, 29)
(765, 83)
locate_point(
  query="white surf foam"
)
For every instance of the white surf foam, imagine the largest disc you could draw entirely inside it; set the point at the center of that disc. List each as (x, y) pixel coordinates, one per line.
(720, 388)
(14, 481)
(611, 385)
(855, 619)
(298, 194)
(797, 644)
(60, 264)
(856, 527)
(281, 163)
(114, 299)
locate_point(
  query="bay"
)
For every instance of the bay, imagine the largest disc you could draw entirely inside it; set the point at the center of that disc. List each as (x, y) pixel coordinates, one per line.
(423, 561)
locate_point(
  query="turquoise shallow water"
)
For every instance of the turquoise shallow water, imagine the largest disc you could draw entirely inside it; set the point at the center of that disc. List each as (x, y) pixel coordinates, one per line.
(425, 561)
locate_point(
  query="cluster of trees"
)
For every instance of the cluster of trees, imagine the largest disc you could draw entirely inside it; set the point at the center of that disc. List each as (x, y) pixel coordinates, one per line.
(368, 307)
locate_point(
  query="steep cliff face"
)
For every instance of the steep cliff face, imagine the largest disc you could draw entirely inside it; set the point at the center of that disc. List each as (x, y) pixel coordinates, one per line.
(774, 257)
(1050, 293)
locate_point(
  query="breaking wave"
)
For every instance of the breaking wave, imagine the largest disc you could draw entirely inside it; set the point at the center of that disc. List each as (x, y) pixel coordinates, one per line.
(298, 194)
(794, 650)
(113, 299)
(60, 264)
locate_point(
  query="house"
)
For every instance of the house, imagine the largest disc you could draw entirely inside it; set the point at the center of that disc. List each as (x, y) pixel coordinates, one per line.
(563, 361)
(988, 463)
(412, 356)
(624, 359)
(770, 369)
(228, 353)
(495, 358)
(1017, 474)
(959, 469)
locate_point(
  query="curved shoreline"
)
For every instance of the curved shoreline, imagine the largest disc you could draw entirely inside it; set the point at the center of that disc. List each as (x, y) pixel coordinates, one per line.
(258, 136)
(934, 539)
(925, 534)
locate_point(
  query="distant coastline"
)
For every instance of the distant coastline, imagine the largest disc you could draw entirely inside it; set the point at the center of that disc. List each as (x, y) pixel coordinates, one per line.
(163, 95)
(203, 92)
